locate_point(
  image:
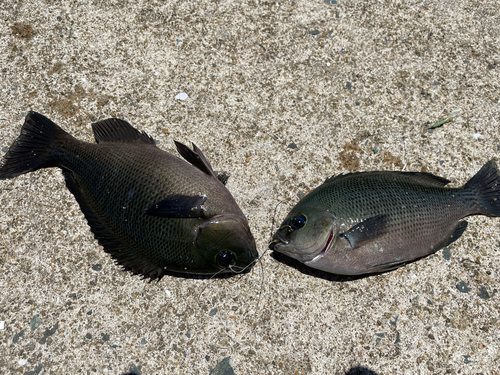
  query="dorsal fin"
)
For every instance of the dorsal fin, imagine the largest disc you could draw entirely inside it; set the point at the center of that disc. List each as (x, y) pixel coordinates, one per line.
(423, 178)
(116, 130)
(195, 157)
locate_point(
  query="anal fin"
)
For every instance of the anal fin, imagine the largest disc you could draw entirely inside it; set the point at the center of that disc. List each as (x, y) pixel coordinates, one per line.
(455, 235)
(123, 254)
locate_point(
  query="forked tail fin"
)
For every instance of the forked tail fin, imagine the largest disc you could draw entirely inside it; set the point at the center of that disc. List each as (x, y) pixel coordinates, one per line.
(485, 187)
(33, 148)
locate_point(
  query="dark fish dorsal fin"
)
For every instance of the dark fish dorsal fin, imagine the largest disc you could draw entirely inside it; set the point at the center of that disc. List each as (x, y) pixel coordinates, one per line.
(116, 130)
(422, 178)
(366, 231)
(178, 207)
(428, 178)
(195, 157)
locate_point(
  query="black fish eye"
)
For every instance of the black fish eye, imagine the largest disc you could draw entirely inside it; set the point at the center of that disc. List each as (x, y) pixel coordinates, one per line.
(225, 259)
(297, 222)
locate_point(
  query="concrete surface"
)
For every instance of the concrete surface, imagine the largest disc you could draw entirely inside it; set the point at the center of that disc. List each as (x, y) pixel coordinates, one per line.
(282, 95)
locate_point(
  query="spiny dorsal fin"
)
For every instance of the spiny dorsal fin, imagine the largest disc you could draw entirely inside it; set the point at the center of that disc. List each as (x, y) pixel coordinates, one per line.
(116, 130)
(195, 157)
(423, 178)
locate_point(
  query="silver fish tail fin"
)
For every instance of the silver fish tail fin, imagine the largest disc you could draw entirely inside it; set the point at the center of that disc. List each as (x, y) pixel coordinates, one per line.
(485, 187)
(32, 150)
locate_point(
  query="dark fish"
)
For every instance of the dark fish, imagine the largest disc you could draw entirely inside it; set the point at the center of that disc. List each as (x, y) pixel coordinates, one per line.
(153, 212)
(377, 221)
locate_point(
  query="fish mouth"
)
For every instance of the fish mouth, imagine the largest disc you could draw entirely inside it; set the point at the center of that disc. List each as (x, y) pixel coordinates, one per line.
(278, 239)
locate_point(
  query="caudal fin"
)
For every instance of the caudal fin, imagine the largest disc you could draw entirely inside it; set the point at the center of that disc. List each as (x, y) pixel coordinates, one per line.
(485, 187)
(32, 150)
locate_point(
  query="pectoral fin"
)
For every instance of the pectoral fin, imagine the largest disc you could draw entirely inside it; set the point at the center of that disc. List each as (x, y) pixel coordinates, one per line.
(366, 231)
(453, 236)
(178, 207)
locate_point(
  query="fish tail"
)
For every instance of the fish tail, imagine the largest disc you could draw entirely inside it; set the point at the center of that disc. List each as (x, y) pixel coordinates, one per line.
(485, 187)
(33, 149)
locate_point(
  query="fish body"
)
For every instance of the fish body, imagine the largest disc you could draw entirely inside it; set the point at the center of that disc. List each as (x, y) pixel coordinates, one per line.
(152, 211)
(371, 222)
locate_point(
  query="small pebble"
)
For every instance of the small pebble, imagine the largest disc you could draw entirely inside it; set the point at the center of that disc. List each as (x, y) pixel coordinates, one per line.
(17, 336)
(483, 293)
(181, 96)
(463, 287)
(36, 322)
(447, 253)
(97, 267)
(222, 368)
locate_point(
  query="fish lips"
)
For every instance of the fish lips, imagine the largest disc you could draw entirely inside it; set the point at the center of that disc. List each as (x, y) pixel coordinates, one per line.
(228, 232)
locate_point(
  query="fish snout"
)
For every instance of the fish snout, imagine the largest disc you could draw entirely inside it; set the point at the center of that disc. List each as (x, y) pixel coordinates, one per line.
(278, 238)
(272, 244)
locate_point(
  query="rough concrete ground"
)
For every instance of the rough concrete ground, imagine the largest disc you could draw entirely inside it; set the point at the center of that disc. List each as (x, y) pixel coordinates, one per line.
(281, 94)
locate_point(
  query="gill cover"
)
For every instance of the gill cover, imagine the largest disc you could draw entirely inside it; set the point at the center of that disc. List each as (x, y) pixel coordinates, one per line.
(305, 233)
(225, 242)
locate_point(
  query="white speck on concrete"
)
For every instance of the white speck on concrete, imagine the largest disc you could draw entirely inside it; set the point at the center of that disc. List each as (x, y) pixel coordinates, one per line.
(181, 96)
(2, 324)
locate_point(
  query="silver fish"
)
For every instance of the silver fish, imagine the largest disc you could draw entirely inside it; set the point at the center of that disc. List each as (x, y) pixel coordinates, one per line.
(376, 221)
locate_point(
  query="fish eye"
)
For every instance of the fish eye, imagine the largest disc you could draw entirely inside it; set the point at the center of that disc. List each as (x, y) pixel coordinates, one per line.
(297, 222)
(225, 259)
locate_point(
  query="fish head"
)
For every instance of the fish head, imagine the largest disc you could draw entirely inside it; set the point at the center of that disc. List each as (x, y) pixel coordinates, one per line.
(305, 233)
(226, 244)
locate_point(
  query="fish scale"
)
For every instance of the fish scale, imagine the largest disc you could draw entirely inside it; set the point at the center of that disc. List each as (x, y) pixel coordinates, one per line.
(357, 198)
(369, 222)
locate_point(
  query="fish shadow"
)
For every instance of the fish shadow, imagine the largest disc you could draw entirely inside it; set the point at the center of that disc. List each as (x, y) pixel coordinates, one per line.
(201, 276)
(302, 268)
(359, 370)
